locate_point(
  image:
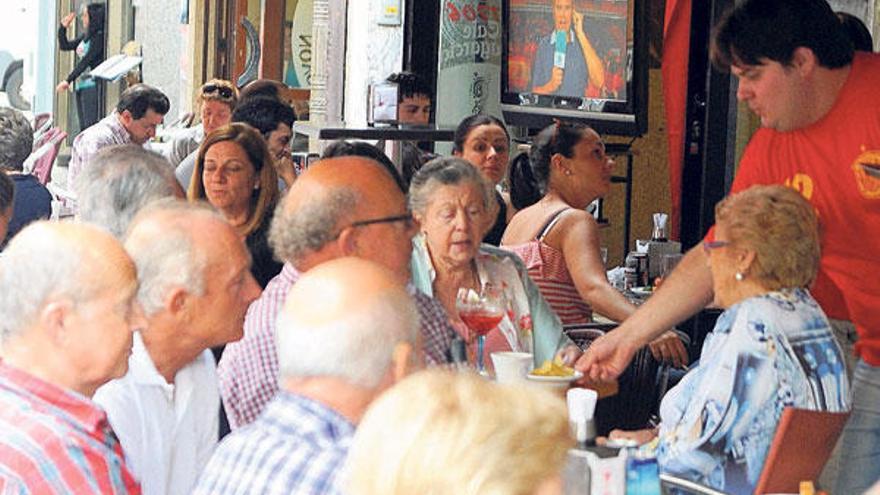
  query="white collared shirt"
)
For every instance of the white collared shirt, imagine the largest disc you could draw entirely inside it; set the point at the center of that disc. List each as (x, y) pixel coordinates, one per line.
(167, 431)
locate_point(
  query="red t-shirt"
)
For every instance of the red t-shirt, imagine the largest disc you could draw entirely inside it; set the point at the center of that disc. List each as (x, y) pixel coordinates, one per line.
(835, 164)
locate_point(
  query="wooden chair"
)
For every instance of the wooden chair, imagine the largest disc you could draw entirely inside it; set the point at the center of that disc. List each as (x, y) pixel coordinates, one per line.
(801, 447)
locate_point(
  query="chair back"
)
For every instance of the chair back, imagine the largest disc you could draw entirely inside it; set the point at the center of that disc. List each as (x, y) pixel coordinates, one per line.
(42, 123)
(41, 161)
(801, 447)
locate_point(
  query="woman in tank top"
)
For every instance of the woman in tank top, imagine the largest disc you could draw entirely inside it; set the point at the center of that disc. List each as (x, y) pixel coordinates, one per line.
(565, 171)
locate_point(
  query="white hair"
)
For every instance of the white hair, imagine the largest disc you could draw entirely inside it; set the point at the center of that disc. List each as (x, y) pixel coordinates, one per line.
(118, 182)
(420, 437)
(162, 243)
(38, 264)
(356, 347)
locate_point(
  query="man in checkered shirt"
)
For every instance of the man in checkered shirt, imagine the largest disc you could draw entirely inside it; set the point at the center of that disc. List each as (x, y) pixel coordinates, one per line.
(348, 331)
(346, 206)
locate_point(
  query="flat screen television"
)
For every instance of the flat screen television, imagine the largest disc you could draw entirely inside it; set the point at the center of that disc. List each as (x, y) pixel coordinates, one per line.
(597, 74)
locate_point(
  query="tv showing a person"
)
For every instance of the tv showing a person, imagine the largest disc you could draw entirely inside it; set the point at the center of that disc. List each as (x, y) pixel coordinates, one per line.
(565, 59)
(569, 48)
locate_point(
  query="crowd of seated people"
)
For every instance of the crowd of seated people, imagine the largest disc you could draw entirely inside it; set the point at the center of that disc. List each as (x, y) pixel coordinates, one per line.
(329, 286)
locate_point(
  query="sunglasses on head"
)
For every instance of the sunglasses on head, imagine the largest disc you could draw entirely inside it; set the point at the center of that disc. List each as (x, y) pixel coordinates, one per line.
(223, 91)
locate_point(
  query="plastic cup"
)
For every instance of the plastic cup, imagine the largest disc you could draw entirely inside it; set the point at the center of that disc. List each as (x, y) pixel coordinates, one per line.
(511, 367)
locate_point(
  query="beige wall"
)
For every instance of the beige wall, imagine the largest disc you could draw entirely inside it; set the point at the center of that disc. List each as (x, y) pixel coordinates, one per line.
(650, 192)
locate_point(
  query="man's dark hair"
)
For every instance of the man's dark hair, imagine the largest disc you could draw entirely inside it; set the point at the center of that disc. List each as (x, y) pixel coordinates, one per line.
(359, 148)
(7, 193)
(263, 113)
(261, 87)
(757, 30)
(140, 98)
(857, 32)
(410, 84)
(16, 139)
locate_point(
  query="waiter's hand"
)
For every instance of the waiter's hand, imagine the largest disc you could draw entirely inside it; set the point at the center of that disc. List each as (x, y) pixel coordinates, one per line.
(68, 19)
(62, 87)
(607, 357)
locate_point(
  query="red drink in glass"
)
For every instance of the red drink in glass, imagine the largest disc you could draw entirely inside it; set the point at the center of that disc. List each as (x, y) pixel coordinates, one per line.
(481, 322)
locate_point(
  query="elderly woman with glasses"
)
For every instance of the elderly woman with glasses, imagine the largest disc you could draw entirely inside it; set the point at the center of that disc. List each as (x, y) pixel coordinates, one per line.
(234, 173)
(217, 100)
(451, 201)
(771, 348)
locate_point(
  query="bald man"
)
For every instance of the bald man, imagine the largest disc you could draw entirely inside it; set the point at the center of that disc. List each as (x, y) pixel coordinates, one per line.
(346, 206)
(196, 285)
(346, 333)
(67, 315)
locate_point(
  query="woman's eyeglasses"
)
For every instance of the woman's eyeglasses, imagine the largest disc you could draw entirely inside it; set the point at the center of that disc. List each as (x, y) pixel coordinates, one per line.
(223, 91)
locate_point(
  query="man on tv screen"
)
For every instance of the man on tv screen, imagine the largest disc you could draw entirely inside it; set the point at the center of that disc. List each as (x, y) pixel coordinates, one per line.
(565, 59)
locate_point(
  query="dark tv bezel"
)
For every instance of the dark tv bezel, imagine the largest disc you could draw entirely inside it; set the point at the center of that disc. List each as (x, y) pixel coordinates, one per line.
(632, 121)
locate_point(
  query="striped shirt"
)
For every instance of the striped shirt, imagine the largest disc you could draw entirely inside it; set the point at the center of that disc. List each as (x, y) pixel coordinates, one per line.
(298, 446)
(546, 266)
(248, 371)
(55, 441)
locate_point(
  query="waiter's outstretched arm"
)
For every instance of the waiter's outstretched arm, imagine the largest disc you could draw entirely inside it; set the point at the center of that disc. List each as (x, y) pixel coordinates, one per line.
(686, 291)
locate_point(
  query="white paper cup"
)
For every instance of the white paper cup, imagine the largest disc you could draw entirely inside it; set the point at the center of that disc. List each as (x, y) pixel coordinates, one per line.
(511, 367)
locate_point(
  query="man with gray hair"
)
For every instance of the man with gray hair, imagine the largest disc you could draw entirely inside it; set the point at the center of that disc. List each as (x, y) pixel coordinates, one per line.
(32, 199)
(347, 332)
(67, 315)
(124, 179)
(195, 287)
(345, 206)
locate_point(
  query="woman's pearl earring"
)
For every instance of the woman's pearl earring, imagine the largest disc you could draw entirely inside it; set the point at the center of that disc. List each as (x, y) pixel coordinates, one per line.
(739, 276)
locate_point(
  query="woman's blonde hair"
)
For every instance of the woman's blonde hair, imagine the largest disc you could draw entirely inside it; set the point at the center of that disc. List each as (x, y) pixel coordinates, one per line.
(262, 199)
(446, 433)
(781, 227)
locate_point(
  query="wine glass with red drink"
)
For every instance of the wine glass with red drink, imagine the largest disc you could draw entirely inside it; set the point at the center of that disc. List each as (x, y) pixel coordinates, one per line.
(481, 312)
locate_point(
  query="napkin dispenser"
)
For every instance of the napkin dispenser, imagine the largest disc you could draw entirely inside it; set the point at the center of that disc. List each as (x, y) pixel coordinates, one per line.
(658, 246)
(656, 250)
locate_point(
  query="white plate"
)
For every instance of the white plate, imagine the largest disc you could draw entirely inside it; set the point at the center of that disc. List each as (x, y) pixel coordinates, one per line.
(642, 291)
(556, 379)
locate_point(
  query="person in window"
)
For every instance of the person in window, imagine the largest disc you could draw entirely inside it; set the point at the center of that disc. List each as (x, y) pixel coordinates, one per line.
(89, 49)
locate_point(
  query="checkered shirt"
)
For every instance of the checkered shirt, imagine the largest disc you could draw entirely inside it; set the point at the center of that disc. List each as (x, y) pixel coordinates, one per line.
(248, 371)
(297, 446)
(106, 132)
(55, 441)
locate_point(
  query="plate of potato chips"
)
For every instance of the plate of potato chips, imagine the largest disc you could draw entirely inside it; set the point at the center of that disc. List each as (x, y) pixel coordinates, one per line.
(554, 371)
